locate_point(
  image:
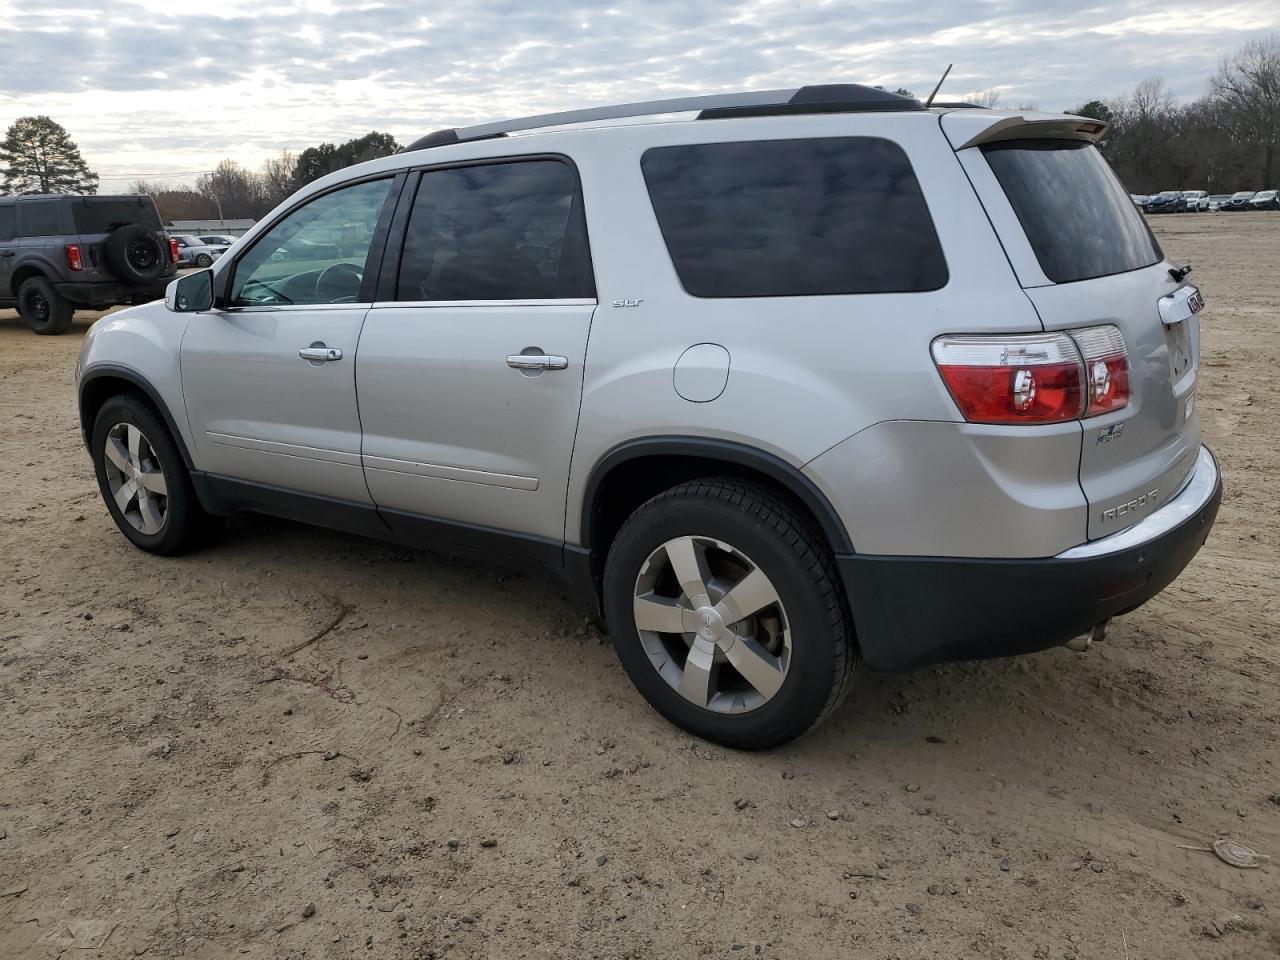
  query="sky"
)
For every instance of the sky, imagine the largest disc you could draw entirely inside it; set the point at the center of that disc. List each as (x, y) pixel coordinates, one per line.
(164, 90)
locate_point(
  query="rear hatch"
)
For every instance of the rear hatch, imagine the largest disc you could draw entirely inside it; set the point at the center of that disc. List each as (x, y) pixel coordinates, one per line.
(97, 217)
(1085, 258)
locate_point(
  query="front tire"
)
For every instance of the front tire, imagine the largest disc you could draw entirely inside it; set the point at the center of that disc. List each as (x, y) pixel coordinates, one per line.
(43, 309)
(204, 260)
(726, 612)
(143, 480)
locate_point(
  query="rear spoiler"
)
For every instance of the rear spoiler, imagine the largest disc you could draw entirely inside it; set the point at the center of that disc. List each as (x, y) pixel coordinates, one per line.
(972, 128)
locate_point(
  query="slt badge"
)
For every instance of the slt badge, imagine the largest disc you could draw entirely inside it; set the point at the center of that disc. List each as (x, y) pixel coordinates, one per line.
(1108, 434)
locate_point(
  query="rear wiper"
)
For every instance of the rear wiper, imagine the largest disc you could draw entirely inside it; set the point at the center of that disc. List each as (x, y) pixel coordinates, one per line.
(1179, 273)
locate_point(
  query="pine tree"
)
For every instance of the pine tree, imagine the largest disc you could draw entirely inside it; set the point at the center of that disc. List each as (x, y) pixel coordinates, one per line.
(38, 156)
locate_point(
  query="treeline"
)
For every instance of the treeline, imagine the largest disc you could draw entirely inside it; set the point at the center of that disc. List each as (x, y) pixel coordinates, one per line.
(233, 192)
(1225, 141)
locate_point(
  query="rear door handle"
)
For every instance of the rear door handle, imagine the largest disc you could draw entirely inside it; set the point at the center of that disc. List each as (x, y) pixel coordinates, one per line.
(537, 361)
(319, 353)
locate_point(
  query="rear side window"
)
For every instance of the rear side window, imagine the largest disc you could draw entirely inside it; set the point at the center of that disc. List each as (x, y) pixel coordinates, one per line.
(1078, 218)
(39, 219)
(789, 218)
(497, 231)
(105, 215)
(7, 219)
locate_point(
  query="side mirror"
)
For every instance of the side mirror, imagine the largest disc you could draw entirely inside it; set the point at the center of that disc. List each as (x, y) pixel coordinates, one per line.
(190, 294)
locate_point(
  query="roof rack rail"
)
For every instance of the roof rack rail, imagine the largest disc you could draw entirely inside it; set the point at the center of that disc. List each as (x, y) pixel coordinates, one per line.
(959, 105)
(819, 98)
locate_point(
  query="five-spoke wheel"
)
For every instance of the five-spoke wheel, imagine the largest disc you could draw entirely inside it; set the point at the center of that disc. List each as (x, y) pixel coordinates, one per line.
(136, 478)
(712, 624)
(143, 478)
(722, 601)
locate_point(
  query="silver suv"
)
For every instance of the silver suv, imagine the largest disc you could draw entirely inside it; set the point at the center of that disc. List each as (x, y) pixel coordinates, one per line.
(782, 381)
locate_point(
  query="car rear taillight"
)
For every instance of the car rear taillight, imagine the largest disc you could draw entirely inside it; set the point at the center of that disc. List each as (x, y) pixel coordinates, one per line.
(173, 250)
(1106, 363)
(74, 261)
(1035, 378)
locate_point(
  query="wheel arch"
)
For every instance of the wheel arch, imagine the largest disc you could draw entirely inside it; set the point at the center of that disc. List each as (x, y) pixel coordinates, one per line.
(106, 380)
(25, 272)
(635, 470)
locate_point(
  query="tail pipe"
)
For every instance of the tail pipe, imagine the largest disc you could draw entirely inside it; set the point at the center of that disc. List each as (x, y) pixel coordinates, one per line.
(1083, 642)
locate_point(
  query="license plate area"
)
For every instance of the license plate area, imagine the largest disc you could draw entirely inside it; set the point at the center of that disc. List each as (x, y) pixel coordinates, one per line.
(1179, 350)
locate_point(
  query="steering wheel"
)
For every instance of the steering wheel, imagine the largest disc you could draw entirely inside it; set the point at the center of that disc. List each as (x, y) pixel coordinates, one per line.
(338, 282)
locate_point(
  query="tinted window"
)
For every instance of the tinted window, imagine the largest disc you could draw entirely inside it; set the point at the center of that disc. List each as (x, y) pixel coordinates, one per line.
(103, 216)
(316, 254)
(497, 231)
(787, 218)
(7, 219)
(39, 219)
(1075, 213)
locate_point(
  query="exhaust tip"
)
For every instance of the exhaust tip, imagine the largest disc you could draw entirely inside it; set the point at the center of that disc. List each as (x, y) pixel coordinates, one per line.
(1082, 643)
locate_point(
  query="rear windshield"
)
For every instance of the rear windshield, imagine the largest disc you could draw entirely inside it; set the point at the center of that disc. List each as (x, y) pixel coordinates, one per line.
(1075, 213)
(788, 218)
(105, 214)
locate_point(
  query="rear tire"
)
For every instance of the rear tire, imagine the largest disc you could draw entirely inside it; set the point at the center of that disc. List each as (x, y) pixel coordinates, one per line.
(769, 676)
(43, 309)
(143, 481)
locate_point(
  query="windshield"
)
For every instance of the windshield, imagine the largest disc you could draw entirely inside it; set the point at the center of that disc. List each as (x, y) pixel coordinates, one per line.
(1170, 194)
(1075, 213)
(1242, 195)
(1265, 195)
(104, 214)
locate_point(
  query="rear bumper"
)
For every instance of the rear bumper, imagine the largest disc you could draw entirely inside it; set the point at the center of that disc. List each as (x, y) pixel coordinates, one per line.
(84, 294)
(913, 611)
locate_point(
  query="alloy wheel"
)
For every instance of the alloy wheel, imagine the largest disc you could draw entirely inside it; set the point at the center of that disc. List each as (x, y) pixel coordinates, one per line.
(712, 624)
(135, 478)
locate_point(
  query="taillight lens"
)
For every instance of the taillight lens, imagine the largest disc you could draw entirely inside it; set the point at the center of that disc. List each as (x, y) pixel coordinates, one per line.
(74, 261)
(173, 250)
(1037, 378)
(1106, 363)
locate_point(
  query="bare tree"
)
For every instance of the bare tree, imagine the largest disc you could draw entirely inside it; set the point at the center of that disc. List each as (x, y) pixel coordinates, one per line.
(235, 191)
(1248, 83)
(277, 178)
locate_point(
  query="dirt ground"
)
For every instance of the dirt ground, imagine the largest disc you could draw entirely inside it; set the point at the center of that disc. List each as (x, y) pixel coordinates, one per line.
(458, 768)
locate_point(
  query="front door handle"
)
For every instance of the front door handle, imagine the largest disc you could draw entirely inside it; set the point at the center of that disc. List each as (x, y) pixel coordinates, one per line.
(537, 361)
(8, 253)
(319, 353)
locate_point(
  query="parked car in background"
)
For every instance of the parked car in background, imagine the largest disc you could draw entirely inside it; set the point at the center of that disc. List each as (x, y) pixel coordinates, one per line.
(1195, 201)
(1139, 199)
(1216, 200)
(1166, 201)
(1240, 200)
(194, 252)
(574, 349)
(1266, 200)
(217, 240)
(61, 253)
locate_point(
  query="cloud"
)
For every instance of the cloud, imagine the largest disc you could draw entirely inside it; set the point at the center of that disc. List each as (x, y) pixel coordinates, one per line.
(153, 87)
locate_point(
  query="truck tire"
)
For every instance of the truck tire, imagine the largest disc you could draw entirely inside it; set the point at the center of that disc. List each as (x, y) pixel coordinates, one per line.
(727, 613)
(135, 254)
(43, 309)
